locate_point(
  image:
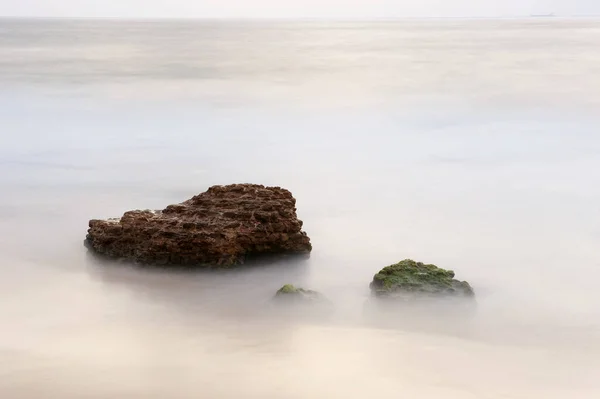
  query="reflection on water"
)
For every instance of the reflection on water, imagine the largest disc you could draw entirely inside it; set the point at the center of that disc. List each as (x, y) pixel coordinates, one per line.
(468, 144)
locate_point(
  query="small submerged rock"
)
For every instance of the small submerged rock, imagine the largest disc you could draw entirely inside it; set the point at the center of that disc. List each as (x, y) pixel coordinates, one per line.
(409, 279)
(299, 304)
(220, 227)
(290, 292)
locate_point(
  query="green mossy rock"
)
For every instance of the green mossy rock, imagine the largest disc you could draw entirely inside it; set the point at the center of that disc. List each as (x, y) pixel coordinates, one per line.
(297, 304)
(408, 279)
(289, 291)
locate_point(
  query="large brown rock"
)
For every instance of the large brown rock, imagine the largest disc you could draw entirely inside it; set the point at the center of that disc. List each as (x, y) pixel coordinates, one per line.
(220, 227)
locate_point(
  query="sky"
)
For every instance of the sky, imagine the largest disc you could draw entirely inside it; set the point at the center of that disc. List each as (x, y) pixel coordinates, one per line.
(294, 8)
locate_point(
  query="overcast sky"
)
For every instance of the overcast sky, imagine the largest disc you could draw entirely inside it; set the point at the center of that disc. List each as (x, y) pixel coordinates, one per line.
(294, 8)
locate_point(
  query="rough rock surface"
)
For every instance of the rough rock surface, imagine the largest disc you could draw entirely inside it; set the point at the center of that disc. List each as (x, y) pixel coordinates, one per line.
(220, 227)
(409, 279)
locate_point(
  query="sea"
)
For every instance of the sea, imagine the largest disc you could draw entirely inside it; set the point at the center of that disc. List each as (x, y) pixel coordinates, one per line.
(472, 144)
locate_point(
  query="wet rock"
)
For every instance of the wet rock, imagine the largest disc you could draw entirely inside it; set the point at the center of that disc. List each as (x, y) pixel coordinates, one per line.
(290, 293)
(220, 227)
(409, 279)
(300, 305)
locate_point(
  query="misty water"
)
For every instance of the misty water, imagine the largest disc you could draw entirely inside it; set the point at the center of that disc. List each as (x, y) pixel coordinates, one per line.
(471, 144)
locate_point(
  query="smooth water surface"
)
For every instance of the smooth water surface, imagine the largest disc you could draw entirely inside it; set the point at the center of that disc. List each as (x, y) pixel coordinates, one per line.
(471, 144)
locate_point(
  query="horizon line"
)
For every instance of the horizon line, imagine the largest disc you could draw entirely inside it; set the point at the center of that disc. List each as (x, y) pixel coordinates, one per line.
(304, 18)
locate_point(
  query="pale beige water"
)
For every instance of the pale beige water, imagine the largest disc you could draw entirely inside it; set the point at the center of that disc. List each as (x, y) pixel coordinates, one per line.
(469, 144)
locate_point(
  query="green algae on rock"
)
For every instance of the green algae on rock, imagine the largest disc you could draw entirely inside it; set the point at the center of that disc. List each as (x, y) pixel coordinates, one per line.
(294, 303)
(289, 291)
(408, 279)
